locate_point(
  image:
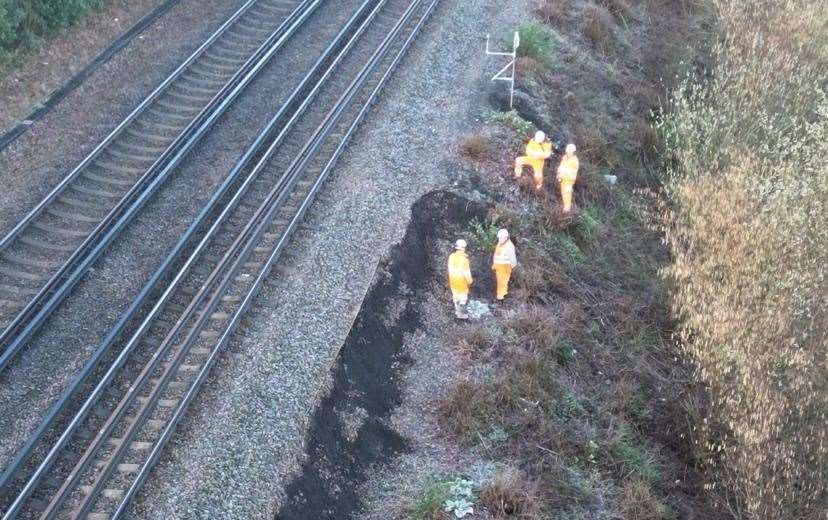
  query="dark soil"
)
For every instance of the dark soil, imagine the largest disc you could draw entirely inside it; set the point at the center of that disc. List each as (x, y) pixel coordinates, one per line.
(367, 372)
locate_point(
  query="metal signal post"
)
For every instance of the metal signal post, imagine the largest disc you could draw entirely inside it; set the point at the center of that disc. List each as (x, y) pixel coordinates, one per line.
(509, 68)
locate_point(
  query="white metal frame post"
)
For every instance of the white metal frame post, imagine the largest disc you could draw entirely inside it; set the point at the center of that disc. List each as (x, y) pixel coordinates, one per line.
(500, 76)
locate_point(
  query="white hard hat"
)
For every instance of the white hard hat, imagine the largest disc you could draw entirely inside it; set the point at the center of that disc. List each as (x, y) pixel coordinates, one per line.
(460, 244)
(570, 148)
(540, 136)
(502, 234)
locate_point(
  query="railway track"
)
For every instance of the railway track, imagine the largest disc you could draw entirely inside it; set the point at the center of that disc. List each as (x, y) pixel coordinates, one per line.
(47, 253)
(97, 445)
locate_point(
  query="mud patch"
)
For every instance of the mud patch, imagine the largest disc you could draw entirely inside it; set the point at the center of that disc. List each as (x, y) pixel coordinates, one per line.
(350, 431)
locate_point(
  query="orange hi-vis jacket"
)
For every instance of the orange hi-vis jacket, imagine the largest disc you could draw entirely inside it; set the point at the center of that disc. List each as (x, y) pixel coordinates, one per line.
(459, 273)
(538, 153)
(504, 254)
(568, 169)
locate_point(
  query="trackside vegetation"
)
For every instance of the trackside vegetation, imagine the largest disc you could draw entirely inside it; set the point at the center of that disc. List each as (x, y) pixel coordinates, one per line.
(747, 227)
(25, 24)
(578, 392)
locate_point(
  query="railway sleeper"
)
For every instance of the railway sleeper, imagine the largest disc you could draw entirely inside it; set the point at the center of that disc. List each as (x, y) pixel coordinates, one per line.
(178, 121)
(176, 109)
(163, 403)
(45, 245)
(162, 127)
(215, 54)
(120, 152)
(28, 261)
(70, 234)
(108, 180)
(192, 96)
(95, 192)
(71, 215)
(111, 493)
(112, 164)
(142, 148)
(82, 203)
(138, 132)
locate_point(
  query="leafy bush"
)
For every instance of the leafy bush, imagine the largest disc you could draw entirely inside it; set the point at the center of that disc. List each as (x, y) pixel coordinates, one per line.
(634, 459)
(536, 41)
(749, 203)
(483, 234)
(515, 121)
(11, 15)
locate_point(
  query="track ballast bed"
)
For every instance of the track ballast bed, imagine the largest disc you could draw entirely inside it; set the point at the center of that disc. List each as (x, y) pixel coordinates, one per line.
(169, 339)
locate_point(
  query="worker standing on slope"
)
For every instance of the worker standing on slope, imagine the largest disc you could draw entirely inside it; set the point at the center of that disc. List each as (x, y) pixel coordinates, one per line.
(567, 175)
(538, 150)
(503, 262)
(460, 278)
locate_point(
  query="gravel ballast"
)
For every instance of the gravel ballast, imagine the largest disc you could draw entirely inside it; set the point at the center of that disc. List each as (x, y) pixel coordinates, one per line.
(244, 438)
(52, 358)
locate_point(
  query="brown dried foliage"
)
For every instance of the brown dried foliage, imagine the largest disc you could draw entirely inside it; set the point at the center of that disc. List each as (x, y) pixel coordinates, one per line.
(510, 494)
(553, 12)
(750, 245)
(474, 147)
(598, 27)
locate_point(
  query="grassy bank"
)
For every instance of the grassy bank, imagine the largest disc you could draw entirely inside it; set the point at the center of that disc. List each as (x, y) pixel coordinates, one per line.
(26, 24)
(586, 405)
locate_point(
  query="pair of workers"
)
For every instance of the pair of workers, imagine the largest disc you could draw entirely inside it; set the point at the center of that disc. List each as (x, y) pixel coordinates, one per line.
(460, 277)
(538, 150)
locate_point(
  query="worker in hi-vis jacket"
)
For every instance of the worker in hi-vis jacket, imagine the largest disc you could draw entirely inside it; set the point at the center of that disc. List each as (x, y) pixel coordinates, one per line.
(459, 278)
(503, 261)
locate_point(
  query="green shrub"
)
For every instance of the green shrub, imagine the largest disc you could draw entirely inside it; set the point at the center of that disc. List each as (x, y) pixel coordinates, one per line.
(536, 41)
(483, 233)
(568, 248)
(25, 24)
(429, 504)
(11, 15)
(515, 121)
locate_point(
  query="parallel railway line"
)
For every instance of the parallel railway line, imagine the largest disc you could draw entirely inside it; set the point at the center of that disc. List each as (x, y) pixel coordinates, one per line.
(53, 246)
(98, 443)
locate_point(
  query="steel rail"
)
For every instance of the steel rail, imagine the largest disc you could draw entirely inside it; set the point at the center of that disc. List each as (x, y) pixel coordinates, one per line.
(163, 269)
(264, 273)
(275, 201)
(37, 210)
(50, 198)
(281, 36)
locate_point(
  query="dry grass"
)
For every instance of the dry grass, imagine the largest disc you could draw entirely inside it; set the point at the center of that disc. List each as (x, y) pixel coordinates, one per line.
(553, 12)
(598, 26)
(639, 503)
(510, 494)
(647, 141)
(749, 203)
(474, 147)
(620, 9)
